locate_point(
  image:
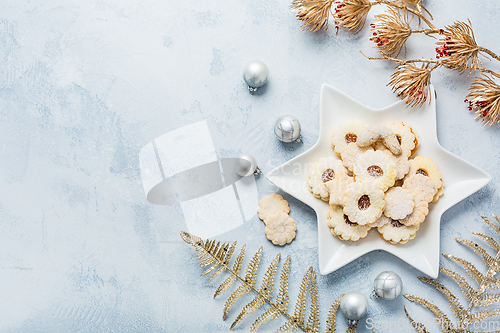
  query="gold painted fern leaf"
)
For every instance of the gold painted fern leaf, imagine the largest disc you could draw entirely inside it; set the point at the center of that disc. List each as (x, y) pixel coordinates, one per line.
(475, 296)
(217, 256)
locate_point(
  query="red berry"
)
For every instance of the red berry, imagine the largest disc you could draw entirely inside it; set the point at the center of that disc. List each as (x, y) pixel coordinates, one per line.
(469, 108)
(374, 34)
(466, 100)
(441, 31)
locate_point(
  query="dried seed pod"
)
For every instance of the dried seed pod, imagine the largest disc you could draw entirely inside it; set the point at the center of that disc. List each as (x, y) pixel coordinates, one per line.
(412, 83)
(484, 99)
(390, 32)
(351, 14)
(314, 13)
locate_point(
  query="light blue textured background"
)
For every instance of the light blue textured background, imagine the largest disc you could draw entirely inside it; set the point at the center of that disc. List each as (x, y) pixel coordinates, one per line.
(84, 85)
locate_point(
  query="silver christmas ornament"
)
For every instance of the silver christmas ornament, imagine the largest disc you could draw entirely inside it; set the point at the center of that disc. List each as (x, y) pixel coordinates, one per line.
(354, 306)
(287, 129)
(387, 285)
(245, 165)
(255, 75)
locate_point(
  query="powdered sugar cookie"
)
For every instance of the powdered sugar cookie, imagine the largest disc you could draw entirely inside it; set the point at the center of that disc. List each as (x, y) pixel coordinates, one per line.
(399, 203)
(337, 187)
(342, 227)
(405, 136)
(351, 153)
(425, 166)
(402, 164)
(375, 166)
(419, 213)
(280, 229)
(345, 134)
(322, 172)
(374, 133)
(271, 204)
(363, 202)
(397, 233)
(421, 185)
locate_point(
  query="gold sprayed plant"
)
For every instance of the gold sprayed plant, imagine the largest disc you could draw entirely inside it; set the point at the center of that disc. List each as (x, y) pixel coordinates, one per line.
(456, 48)
(217, 257)
(476, 297)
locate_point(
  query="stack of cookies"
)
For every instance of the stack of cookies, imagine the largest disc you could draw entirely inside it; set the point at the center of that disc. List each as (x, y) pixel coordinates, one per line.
(376, 182)
(280, 227)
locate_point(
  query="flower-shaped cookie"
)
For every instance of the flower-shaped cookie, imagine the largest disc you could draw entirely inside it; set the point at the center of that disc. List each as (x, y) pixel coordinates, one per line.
(397, 233)
(280, 229)
(342, 227)
(377, 167)
(419, 213)
(346, 133)
(322, 172)
(402, 164)
(425, 166)
(422, 186)
(399, 203)
(363, 202)
(271, 204)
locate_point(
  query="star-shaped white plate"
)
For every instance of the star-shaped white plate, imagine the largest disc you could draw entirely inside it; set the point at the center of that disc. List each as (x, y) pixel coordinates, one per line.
(460, 177)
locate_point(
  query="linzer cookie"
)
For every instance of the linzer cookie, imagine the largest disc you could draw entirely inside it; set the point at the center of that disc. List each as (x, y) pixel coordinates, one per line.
(397, 233)
(342, 227)
(345, 134)
(363, 202)
(425, 166)
(323, 172)
(377, 167)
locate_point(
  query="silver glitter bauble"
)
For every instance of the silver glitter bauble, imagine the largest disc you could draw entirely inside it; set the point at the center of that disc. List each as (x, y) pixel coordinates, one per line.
(387, 285)
(354, 306)
(245, 165)
(287, 129)
(255, 75)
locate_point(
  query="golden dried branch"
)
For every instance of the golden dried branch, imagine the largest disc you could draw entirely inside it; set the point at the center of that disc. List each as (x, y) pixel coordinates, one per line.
(484, 99)
(216, 255)
(314, 13)
(478, 297)
(351, 14)
(331, 325)
(390, 32)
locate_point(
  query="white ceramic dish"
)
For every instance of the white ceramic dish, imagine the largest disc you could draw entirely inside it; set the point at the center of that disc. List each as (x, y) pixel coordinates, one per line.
(461, 179)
